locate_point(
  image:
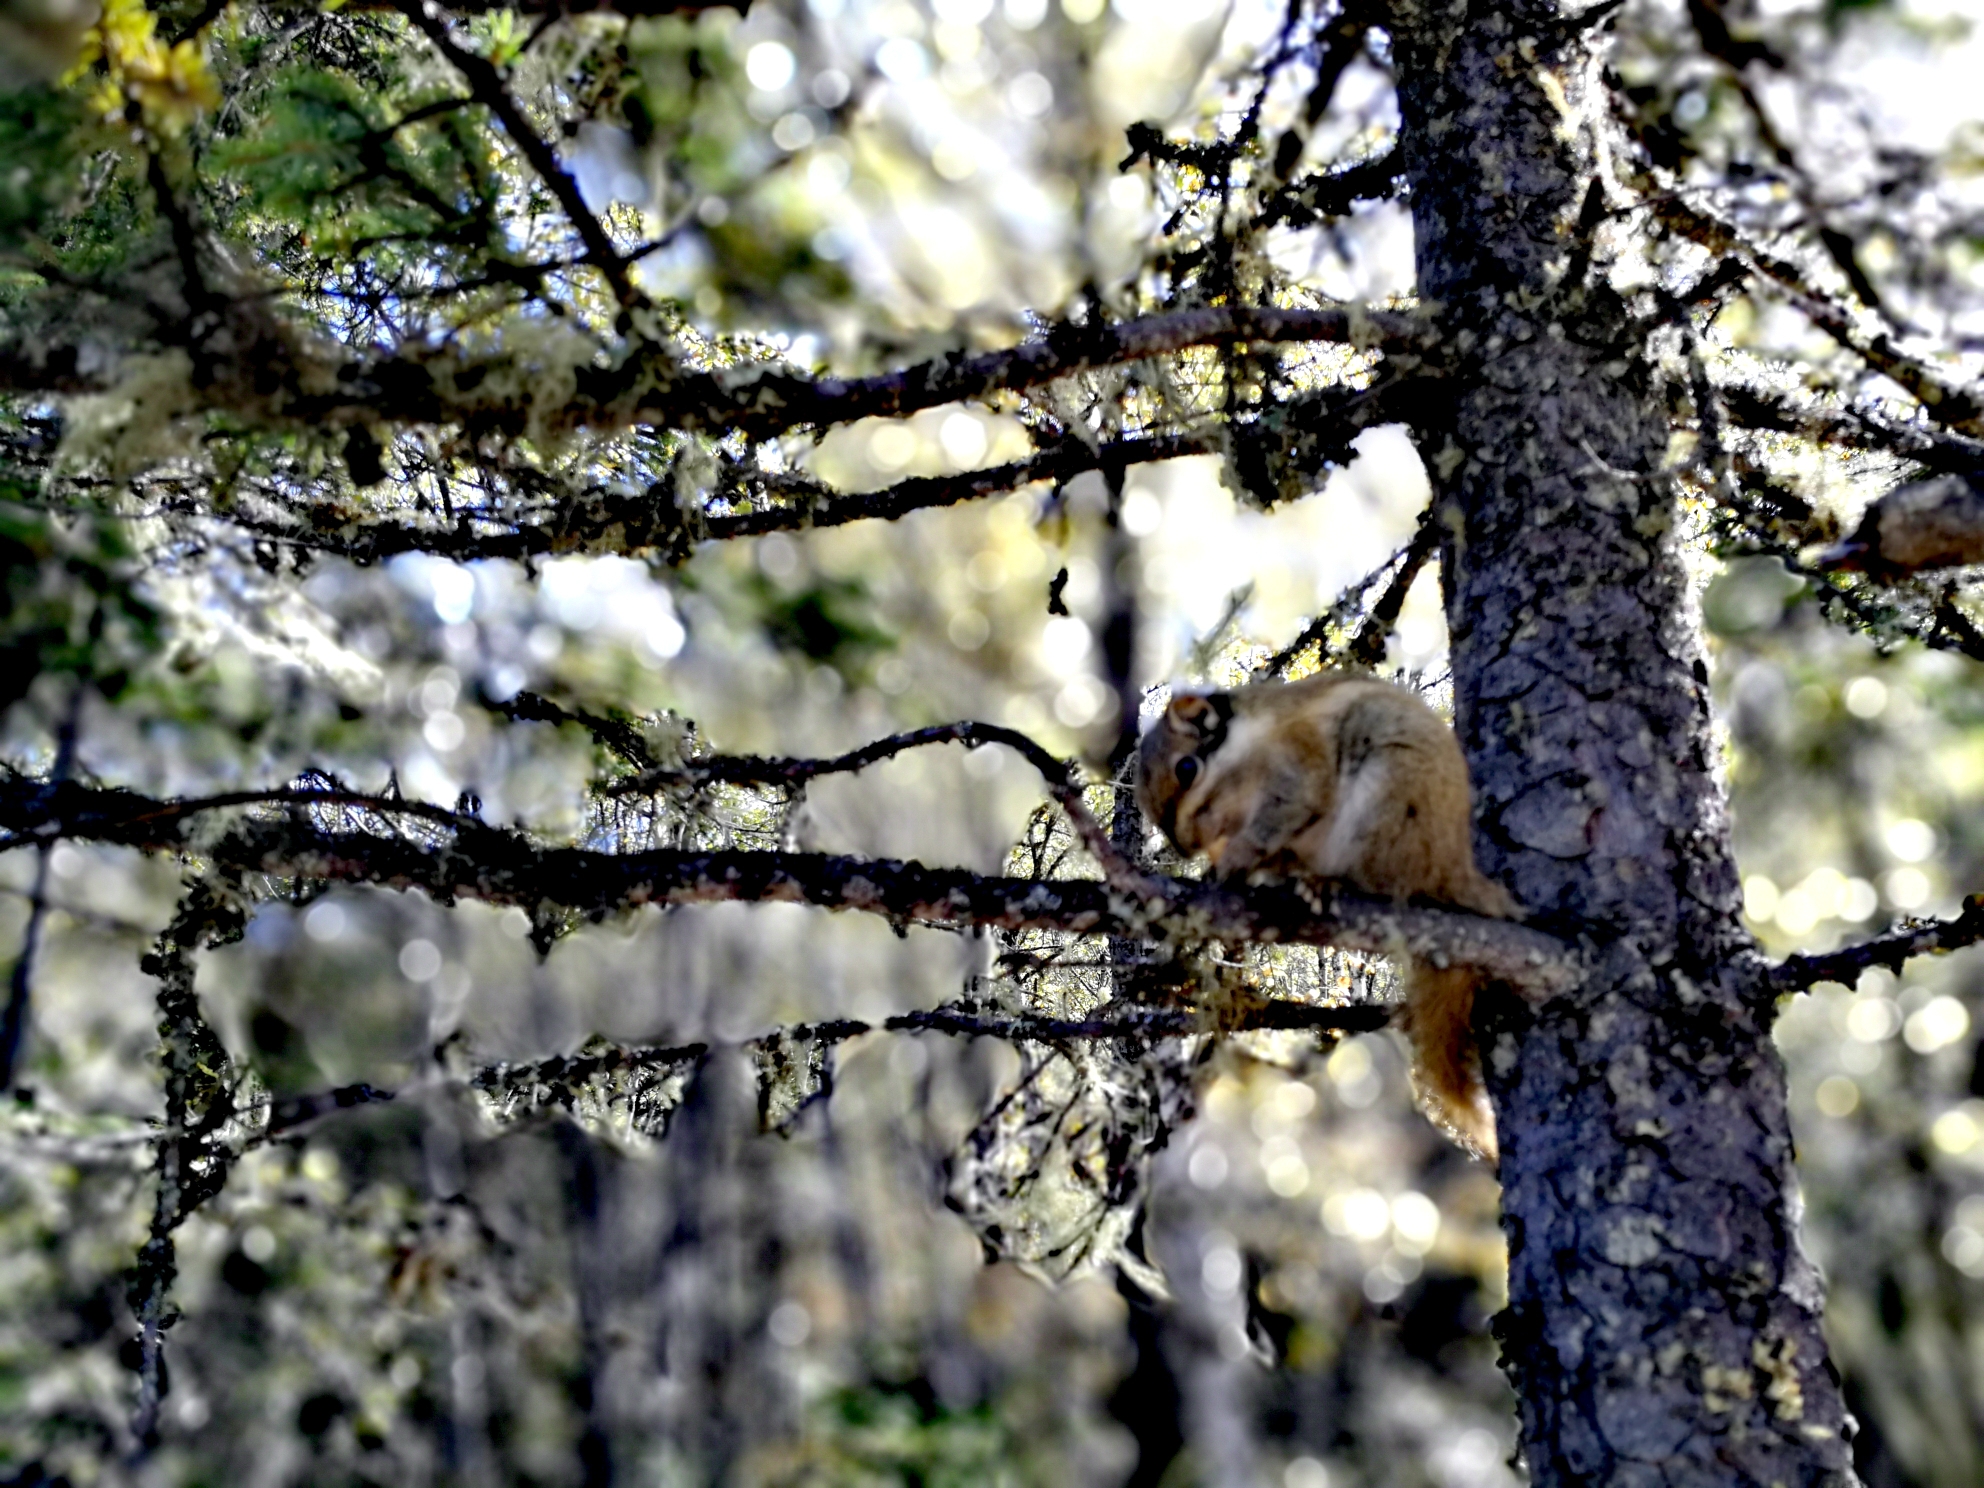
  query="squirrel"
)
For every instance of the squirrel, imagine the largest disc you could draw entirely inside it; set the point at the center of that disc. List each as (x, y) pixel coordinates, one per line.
(1341, 777)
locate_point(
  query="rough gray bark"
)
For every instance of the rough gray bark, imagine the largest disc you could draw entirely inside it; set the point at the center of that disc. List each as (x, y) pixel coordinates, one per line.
(1663, 1324)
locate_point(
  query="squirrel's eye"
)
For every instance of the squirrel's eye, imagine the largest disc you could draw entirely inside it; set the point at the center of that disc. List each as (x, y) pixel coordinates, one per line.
(1187, 770)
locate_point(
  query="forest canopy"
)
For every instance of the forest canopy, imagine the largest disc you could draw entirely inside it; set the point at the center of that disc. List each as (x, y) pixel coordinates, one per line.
(578, 583)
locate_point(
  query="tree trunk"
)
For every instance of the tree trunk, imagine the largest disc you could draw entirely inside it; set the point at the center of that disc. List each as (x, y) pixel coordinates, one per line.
(1663, 1322)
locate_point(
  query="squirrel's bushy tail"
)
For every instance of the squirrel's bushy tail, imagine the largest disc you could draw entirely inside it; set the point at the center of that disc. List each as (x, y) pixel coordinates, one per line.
(1439, 1023)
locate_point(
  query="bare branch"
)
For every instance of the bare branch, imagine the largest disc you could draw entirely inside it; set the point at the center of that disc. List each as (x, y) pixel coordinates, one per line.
(38, 812)
(200, 299)
(789, 771)
(1910, 938)
(563, 1079)
(1333, 193)
(1718, 41)
(524, 512)
(1367, 647)
(957, 1020)
(1058, 775)
(190, 1166)
(1757, 518)
(290, 1112)
(614, 734)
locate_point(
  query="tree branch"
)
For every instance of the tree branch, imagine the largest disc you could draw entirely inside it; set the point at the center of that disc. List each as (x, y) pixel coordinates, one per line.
(20, 982)
(756, 401)
(1059, 463)
(501, 866)
(1057, 774)
(1892, 604)
(190, 1166)
(487, 83)
(763, 399)
(1852, 427)
(614, 734)
(1910, 938)
(965, 1020)
(749, 769)
(38, 812)
(544, 518)
(534, 516)
(1942, 401)
(1333, 193)
(1367, 647)
(563, 1080)
(1133, 1021)
(651, 520)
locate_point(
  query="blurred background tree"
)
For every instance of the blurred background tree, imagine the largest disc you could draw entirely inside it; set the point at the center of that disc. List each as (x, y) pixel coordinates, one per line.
(470, 476)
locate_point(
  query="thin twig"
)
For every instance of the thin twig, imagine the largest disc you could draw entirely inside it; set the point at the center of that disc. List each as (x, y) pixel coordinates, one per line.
(1367, 647)
(14, 1022)
(1057, 774)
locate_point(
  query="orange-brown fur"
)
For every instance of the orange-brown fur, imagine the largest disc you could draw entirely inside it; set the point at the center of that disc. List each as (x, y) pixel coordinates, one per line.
(1340, 777)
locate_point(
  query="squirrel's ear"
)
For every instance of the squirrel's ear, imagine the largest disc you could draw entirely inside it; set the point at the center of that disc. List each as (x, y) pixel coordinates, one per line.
(1188, 707)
